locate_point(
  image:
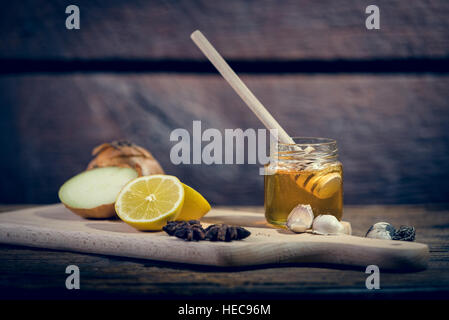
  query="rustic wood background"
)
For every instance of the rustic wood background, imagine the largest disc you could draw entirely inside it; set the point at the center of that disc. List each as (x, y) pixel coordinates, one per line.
(131, 71)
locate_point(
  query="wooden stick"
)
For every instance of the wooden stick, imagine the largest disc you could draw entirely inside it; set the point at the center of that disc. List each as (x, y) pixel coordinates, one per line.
(237, 84)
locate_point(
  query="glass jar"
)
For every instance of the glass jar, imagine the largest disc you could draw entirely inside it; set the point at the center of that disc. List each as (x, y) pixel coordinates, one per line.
(307, 172)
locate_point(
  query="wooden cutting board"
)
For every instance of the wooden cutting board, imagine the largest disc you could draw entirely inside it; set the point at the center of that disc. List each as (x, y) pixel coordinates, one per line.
(55, 227)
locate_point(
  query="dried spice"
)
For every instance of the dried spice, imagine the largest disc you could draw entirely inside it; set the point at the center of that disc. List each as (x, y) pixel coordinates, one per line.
(224, 232)
(405, 233)
(384, 230)
(193, 231)
(187, 230)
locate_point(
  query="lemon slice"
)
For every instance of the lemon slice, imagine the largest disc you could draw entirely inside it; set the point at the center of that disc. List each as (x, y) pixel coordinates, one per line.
(195, 206)
(328, 185)
(148, 202)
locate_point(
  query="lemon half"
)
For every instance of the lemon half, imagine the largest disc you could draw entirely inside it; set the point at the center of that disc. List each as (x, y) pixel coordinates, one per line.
(195, 206)
(148, 202)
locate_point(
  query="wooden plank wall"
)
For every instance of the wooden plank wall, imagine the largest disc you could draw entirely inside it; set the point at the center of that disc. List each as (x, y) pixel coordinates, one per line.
(132, 72)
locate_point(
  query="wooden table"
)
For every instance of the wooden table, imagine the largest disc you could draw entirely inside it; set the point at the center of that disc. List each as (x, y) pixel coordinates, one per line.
(38, 273)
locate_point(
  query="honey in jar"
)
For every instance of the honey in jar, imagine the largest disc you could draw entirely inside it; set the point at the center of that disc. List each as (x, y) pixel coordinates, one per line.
(305, 173)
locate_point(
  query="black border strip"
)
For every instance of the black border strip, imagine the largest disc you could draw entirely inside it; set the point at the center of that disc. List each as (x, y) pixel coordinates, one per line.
(227, 309)
(118, 65)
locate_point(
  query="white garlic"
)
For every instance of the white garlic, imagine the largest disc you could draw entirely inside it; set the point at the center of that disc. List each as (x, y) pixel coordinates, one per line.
(327, 224)
(381, 230)
(300, 218)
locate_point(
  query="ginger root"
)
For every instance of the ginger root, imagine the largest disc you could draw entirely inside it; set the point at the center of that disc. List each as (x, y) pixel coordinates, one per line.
(125, 154)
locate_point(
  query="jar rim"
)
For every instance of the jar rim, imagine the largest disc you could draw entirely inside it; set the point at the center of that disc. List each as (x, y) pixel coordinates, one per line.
(309, 141)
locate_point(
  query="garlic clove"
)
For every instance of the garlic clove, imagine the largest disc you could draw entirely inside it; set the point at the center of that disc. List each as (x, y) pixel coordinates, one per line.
(381, 230)
(327, 224)
(300, 218)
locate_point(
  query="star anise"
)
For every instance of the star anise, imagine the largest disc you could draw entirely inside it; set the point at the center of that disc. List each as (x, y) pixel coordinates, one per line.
(405, 233)
(224, 232)
(193, 231)
(187, 230)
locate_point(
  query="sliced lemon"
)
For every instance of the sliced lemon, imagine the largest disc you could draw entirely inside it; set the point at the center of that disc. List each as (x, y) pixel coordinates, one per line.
(195, 206)
(148, 202)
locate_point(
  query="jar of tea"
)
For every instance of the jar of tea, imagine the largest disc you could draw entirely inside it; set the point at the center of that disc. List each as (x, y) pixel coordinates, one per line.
(307, 172)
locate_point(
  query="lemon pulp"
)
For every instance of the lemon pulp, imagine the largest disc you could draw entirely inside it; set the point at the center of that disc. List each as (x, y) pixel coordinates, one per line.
(148, 202)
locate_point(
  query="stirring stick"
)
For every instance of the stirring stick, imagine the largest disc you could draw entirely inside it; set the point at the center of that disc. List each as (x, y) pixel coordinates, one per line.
(237, 84)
